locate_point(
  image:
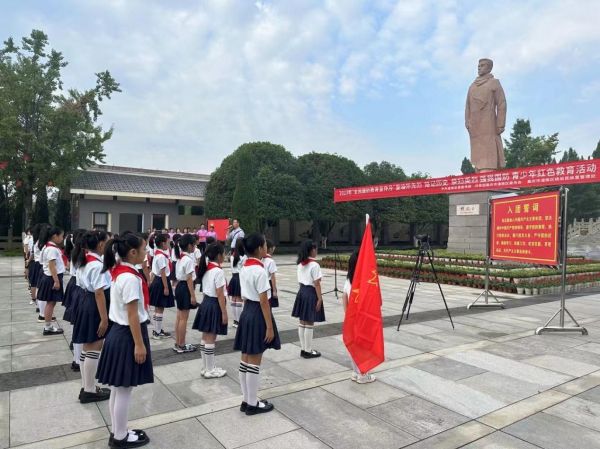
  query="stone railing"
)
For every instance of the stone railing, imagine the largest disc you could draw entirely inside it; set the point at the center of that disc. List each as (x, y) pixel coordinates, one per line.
(583, 229)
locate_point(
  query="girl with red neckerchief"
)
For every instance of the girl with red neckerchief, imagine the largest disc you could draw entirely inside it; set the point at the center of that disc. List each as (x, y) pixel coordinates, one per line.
(50, 287)
(161, 291)
(185, 295)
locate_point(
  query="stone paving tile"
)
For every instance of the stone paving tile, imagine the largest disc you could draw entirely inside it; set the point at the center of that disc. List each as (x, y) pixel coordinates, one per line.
(504, 388)
(5, 359)
(592, 395)
(590, 347)
(248, 429)
(200, 391)
(551, 432)
(579, 411)
(295, 439)
(451, 395)
(60, 357)
(4, 419)
(365, 395)
(448, 368)
(455, 437)
(309, 368)
(54, 408)
(562, 365)
(338, 423)
(417, 416)
(511, 368)
(499, 440)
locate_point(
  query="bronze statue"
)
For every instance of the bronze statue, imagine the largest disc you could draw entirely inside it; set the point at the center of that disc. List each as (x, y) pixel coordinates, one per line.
(485, 118)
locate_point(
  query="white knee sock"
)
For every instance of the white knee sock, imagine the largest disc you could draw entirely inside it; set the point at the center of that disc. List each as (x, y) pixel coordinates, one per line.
(81, 365)
(308, 338)
(77, 348)
(209, 356)
(111, 407)
(42, 306)
(301, 334)
(236, 308)
(121, 411)
(203, 353)
(252, 378)
(354, 367)
(89, 371)
(158, 319)
(243, 371)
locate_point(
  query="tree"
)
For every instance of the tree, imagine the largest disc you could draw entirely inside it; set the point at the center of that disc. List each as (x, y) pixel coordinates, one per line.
(40, 211)
(570, 156)
(47, 132)
(596, 153)
(244, 197)
(466, 167)
(4, 211)
(523, 150)
(320, 173)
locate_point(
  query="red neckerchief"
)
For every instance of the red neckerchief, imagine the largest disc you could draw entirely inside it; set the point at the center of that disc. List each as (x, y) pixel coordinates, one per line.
(160, 252)
(268, 256)
(120, 269)
(91, 257)
(62, 253)
(252, 261)
(212, 265)
(307, 261)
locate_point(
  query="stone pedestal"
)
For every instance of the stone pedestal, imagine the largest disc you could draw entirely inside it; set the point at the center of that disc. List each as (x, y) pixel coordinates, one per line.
(467, 233)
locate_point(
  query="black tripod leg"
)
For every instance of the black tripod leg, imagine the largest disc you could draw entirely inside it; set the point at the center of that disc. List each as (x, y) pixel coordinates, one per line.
(406, 301)
(416, 277)
(440, 287)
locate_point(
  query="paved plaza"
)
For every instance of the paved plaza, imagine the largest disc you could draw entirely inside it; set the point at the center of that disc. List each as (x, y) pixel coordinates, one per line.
(490, 383)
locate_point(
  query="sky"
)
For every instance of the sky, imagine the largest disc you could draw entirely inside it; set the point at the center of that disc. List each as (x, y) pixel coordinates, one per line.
(370, 80)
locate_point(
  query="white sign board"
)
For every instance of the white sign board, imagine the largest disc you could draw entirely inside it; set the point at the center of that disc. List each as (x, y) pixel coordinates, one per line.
(467, 209)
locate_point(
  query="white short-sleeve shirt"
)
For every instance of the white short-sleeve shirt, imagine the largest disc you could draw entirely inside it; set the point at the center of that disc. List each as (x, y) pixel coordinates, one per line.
(91, 275)
(184, 267)
(159, 261)
(270, 266)
(237, 268)
(309, 273)
(37, 252)
(348, 287)
(52, 253)
(253, 281)
(197, 255)
(126, 288)
(30, 244)
(173, 255)
(212, 280)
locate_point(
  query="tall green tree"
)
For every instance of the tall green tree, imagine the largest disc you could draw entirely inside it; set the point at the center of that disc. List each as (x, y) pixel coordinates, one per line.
(47, 132)
(570, 156)
(4, 211)
(596, 153)
(40, 212)
(466, 167)
(244, 196)
(523, 149)
(320, 173)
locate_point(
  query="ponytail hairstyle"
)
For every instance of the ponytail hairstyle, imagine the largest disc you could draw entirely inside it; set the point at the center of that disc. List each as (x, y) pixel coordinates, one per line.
(78, 252)
(174, 241)
(270, 244)
(43, 229)
(238, 251)
(159, 239)
(71, 243)
(120, 246)
(212, 253)
(253, 242)
(306, 248)
(89, 241)
(352, 265)
(47, 233)
(151, 240)
(182, 245)
(35, 232)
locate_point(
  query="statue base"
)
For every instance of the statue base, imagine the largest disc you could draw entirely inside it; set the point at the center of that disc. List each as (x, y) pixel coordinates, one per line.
(468, 222)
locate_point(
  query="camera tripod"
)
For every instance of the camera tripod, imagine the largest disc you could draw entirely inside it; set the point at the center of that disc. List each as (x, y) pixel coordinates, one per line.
(424, 250)
(335, 289)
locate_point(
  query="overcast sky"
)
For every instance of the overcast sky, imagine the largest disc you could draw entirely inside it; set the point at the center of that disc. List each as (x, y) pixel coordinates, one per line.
(370, 80)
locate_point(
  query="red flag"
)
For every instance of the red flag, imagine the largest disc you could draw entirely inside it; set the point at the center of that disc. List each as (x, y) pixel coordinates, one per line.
(363, 324)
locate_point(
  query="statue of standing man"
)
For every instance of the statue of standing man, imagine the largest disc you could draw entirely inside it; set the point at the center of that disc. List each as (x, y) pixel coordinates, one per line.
(485, 118)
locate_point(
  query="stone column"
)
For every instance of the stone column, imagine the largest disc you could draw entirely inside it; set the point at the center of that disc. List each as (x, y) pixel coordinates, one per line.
(468, 225)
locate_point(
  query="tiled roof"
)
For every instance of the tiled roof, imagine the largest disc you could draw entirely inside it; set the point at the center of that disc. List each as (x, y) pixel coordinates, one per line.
(140, 181)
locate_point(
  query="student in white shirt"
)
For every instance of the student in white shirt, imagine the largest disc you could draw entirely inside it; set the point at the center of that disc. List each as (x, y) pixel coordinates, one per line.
(211, 318)
(271, 268)
(34, 266)
(50, 287)
(357, 376)
(185, 295)
(92, 323)
(308, 307)
(236, 261)
(174, 258)
(161, 291)
(257, 330)
(126, 360)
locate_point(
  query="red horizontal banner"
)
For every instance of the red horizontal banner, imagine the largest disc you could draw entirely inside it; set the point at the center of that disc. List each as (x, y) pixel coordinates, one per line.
(525, 229)
(580, 172)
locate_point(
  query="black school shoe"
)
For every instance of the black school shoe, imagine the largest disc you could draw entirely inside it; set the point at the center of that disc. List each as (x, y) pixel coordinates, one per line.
(243, 407)
(142, 441)
(255, 410)
(310, 355)
(53, 331)
(99, 396)
(75, 367)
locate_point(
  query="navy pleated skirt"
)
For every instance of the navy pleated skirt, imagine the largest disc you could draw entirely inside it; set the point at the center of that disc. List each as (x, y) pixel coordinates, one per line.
(73, 299)
(209, 317)
(46, 290)
(87, 320)
(183, 297)
(172, 275)
(273, 300)
(306, 304)
(234, 288)
(157, 297)
(252, 329)
(117, 366)
(68, 288)
(34, 273)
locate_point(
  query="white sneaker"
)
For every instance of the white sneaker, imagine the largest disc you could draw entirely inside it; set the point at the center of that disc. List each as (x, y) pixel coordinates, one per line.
(215, 373)
(366, 379)
(354, 377)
